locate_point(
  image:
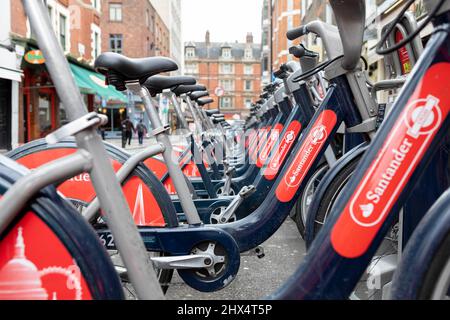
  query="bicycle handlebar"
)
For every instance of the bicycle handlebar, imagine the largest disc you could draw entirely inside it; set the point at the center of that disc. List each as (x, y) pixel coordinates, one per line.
(297, 51)
(328, 33)
(297, 32)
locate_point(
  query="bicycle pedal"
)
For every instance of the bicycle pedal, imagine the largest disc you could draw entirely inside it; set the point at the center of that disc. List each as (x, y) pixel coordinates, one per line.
(258, 252)
(247, 191)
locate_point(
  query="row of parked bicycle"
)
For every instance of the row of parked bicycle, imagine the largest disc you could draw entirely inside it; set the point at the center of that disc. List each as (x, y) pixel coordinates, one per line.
(365, 181)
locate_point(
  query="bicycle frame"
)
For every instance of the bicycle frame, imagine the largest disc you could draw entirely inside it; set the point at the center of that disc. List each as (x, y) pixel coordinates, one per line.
(337, 107)
(119, 218)
(411, 135)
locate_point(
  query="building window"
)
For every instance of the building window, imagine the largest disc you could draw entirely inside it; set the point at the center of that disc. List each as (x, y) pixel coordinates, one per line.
(248, 53)
(226, 103)
(115, 12)
(96, 45)
(152, 24)
(248, 85)
(227, 85)
(265, 65)
(290, 5)
(248, 69)
(226, 53)
(191, 68)
(248, 103)
(226, 68)
(303, 8)
(115, 43)
(63, 31)
(96, 4)
(50, 13)
(190, 52)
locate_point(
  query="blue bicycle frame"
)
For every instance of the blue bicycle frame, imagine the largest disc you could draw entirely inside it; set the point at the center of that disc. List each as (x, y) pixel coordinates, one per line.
(346, 244)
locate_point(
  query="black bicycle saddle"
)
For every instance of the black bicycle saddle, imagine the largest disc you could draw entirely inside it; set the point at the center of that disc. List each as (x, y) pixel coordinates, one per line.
(118, 69)
(198, 94)
(210, 113)
(189, 89)
(204, 102)
(158, 84)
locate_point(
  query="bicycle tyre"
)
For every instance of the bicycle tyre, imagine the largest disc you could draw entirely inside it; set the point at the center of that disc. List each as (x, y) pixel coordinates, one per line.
(328, 199)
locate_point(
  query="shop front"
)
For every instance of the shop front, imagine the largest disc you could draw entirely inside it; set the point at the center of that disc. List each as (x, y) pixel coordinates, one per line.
(43, 111)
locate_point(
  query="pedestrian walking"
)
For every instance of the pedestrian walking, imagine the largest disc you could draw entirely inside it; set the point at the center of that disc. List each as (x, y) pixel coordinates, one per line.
(127, 132)
(141, 130)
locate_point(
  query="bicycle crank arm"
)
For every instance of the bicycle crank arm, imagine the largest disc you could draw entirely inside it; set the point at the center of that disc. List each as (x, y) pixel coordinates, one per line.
(183, 262)
(187, 249)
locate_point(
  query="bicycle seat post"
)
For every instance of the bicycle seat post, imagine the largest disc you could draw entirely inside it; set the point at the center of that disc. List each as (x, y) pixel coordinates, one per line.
(160, 133)
(198, 122)
(178, 111)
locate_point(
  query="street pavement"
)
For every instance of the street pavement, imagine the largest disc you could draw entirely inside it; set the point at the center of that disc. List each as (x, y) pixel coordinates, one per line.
(257, 278)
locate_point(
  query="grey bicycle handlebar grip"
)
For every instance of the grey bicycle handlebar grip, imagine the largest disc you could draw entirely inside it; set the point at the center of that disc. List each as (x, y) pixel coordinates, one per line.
(327, 32)
(297, 51)
(297, 32)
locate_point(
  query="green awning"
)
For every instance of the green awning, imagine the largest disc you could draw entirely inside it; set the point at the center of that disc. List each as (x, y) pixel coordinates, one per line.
(91, 82)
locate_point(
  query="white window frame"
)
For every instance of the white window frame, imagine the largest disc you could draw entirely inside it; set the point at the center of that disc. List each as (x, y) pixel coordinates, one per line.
(227, 84)
(226, 53)
(224, 70)
(228, 105)
(248, 69)
(96, 30)
(57, 10)
(66, 29)
(109, 44)
(248, 54)
(248, 103)
(121, 12)
(97, 7)
(190, 52)
(191, 68)
(245, 85)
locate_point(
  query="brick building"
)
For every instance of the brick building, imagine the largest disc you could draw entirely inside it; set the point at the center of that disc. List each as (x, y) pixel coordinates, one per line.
(133, 28)
(171, 13)
(235, 68)
(286, 15)
(77, 28)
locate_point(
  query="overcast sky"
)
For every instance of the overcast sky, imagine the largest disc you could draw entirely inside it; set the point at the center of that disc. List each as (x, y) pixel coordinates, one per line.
(227, 20)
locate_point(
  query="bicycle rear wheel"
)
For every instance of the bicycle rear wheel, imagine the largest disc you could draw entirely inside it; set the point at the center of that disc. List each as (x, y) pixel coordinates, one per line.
(50, 252)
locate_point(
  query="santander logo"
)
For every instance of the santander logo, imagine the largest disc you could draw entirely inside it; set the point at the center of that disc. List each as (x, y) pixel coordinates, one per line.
(391, 169)
(84, 177)
(422, 118)
(318, 136)
(272, 140)
(288, 139)
(282, 149)
(310, 149)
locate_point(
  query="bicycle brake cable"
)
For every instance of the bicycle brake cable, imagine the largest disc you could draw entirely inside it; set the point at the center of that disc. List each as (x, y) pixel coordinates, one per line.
(379, 48)
(320, 67)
